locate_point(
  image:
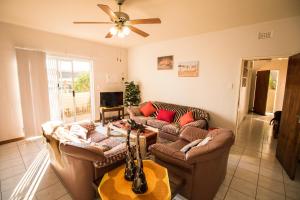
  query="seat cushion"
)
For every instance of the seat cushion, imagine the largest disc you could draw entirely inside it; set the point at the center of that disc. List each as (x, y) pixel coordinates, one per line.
(96, 136)
(156, 123)
(171, 128)
(141, 119)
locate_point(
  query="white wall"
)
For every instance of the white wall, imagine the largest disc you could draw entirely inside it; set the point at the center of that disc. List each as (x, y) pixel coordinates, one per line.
(220, 54)
(103, 56)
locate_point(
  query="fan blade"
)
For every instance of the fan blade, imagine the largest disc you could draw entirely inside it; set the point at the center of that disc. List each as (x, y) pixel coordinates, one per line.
(145, 21)
(108, 35)
(138, 31)
(92, 22)
(108, 11)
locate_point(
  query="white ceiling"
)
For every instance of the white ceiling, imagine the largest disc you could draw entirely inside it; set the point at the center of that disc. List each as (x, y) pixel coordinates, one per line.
(179, 17)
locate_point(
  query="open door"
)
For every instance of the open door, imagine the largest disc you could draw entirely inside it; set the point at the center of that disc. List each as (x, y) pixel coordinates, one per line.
(288, 147)
(261, 92)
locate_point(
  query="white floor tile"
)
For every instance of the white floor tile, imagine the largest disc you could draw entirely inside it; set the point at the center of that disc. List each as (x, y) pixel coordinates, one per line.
(12, 171)
(243, 186)
(10, 183)
(52, 192)
(264, 194)
(236, 195)
(246, 175)
(271, 184)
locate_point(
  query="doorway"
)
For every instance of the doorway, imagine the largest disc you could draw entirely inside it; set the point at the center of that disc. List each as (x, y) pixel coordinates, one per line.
(265, 92)
(272, 91)
(70, 89)
(272, 77)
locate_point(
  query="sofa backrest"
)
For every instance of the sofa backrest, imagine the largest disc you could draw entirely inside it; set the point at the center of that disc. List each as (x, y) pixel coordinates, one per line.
(221, 139)
(181, 110)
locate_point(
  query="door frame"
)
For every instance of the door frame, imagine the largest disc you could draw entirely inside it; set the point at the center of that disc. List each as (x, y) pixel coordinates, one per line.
(92, 87)
(240, 82)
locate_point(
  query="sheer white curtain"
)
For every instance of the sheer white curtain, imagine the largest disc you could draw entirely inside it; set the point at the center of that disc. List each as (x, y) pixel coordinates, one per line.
(33, 90)
(52, 72)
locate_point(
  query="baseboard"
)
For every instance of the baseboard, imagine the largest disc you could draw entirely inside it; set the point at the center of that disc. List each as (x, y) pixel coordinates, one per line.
(12, 140)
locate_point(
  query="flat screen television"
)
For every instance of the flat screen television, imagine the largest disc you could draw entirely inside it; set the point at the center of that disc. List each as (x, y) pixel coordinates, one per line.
(111, 99)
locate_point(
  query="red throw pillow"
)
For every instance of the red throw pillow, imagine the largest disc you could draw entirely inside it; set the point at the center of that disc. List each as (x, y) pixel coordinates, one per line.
(186, 118)
(166, 115)
(147, 109)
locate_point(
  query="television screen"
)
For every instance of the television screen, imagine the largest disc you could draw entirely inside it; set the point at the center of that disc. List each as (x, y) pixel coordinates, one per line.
(111, 99)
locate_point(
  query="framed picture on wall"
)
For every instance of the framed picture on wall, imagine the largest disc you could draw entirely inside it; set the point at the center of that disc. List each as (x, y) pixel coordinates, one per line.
(165, 62)
(188, 69)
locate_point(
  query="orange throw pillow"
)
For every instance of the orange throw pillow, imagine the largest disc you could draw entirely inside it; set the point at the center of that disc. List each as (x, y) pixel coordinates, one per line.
(148, 109)
(186, 118)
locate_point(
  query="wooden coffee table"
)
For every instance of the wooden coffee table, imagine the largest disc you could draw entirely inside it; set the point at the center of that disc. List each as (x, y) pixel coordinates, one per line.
(146, 139)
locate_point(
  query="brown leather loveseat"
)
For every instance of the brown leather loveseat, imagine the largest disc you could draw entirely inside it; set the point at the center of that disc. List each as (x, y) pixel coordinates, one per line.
(79, 165)
(202, 168)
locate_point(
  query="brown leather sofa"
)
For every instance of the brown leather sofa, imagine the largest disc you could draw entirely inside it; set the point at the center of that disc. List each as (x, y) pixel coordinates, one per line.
(202, 169)
(79, 165)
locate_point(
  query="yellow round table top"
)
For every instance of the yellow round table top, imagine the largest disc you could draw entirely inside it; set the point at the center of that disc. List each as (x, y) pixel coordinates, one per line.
(113, 185)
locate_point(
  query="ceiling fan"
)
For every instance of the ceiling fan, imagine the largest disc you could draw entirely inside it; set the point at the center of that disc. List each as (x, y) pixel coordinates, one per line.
(122, 25)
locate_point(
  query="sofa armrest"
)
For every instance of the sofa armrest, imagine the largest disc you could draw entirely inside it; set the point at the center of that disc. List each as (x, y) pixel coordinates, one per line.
(134, 111)
(169, 154)
(200, 123)
(191, 133)
(218, 146)
(83, 153)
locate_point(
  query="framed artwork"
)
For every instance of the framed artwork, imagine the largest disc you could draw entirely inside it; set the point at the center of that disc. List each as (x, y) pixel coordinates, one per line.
(188, 69)
(165, 62)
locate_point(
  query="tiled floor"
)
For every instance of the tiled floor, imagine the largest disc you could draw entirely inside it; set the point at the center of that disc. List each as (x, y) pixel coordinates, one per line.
(20, 164)
(253, 171)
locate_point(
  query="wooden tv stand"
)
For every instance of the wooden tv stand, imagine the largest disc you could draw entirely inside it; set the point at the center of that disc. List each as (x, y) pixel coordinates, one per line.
(103, 110)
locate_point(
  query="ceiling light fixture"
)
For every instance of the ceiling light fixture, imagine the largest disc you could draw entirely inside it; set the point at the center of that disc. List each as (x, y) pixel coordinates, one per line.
(122, 24)
(121, 31)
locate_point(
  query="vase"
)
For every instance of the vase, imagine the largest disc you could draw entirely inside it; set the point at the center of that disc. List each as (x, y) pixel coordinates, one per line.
(139, 184)
(130, 167)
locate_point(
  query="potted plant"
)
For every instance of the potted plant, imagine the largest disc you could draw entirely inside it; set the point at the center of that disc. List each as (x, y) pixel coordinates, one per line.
(132, 94)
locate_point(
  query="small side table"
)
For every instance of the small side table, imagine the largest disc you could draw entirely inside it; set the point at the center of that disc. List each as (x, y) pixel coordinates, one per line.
(103, 110)
(113, 185)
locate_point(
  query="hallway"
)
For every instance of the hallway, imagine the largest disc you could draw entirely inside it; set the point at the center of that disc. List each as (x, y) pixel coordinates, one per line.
(253, 170)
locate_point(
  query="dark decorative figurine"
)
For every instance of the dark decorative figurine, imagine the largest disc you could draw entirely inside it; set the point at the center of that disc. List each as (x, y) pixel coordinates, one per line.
(136, 126)
(139, 185)
(130, 167)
